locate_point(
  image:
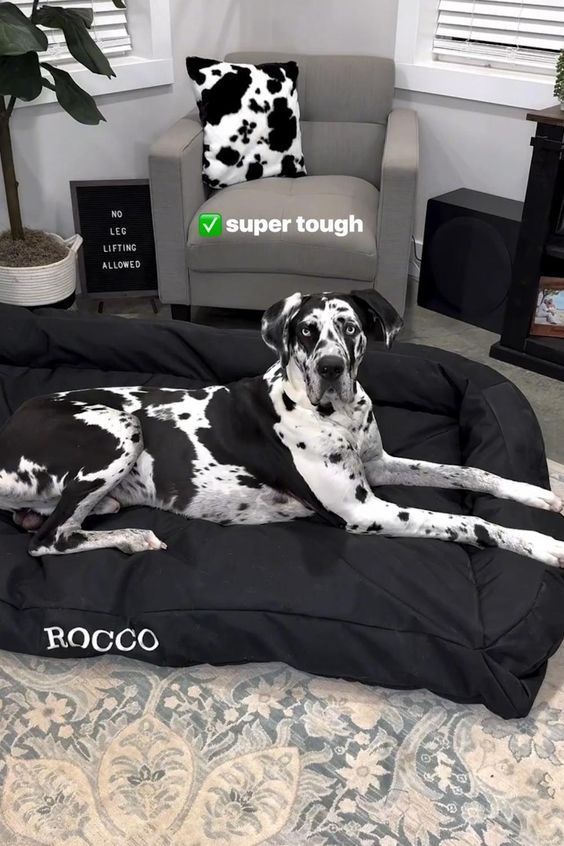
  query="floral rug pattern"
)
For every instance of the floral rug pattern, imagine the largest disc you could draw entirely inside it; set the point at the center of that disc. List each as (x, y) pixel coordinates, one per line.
(114, 752)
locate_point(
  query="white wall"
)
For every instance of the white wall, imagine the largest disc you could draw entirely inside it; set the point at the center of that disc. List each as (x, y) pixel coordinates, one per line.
(471, 145)
(51, 149)
(320, 26)
(462, 143)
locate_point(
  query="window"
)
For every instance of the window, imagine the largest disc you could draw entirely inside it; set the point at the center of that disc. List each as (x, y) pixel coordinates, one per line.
(137, 41)
(109, 28)
(501, 33)
(495, 51)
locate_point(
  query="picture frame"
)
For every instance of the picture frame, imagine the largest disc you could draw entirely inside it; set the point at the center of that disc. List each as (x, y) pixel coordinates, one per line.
(548, 318)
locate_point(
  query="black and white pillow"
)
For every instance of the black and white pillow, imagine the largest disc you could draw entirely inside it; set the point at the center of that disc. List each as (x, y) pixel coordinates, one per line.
(251, 120)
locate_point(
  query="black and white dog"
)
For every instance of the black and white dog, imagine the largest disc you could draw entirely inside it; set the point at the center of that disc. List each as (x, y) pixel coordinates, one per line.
(301, 439)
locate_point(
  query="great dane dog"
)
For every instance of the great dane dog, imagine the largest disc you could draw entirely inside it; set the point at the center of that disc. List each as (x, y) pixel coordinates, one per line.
(298, 440)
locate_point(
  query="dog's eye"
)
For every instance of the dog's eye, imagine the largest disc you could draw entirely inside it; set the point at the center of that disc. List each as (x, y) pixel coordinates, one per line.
(350, 329)
(306, 331)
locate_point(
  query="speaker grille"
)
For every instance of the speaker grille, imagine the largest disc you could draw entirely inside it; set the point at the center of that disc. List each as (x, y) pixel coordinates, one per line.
(471, 266)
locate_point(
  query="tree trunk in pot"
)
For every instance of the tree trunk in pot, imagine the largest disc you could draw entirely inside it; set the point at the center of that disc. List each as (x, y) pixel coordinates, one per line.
(9, 172)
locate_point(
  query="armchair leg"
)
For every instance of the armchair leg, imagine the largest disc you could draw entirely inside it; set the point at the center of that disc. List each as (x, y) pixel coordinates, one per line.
(181, 312)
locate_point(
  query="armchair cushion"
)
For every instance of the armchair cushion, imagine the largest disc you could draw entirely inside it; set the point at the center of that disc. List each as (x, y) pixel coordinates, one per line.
(321, 253)
(251, 120)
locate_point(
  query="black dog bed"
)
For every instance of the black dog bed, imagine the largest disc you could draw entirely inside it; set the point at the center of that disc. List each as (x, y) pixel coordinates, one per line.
(471, 625)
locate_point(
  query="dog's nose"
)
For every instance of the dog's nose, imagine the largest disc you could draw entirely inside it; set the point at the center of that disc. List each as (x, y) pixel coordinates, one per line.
(330, 367)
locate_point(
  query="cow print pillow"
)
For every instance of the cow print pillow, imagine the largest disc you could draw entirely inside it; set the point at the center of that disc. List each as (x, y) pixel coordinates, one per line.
(251, 120)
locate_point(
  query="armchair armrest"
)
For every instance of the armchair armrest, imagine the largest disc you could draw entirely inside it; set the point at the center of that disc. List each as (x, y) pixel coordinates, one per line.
(177, 192)
(397, 205)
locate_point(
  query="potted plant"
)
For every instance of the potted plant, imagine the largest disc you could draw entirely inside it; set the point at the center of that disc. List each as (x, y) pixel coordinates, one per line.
(39, 268)
(559, 84)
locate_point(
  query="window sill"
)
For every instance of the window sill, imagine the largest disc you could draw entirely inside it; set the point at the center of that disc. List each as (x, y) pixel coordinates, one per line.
(132, 73)
(484, 85)
(150, 64)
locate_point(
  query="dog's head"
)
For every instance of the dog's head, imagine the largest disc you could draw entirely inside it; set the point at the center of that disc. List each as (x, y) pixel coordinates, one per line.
(322, 337)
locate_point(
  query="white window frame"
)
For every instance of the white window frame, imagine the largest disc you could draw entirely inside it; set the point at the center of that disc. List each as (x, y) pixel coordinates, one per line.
(417, 70)
(148, 65)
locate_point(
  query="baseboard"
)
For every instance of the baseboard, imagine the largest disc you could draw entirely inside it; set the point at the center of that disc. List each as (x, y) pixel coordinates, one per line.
(415, 258)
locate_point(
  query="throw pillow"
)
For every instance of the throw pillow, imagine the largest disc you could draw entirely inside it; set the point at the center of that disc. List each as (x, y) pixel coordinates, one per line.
(251, 120)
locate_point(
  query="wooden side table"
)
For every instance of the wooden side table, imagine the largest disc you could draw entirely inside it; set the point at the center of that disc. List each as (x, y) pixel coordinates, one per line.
(543, 200)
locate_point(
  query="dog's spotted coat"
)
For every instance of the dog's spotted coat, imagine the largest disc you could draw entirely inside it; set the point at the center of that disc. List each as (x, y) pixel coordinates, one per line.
(301, 439)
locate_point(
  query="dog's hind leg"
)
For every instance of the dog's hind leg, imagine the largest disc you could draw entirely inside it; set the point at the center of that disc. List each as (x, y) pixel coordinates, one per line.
(62, 533)
(108, 505)
(31, 520)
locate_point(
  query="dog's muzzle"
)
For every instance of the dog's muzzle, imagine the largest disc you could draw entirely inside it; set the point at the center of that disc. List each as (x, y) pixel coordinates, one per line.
(332, 377)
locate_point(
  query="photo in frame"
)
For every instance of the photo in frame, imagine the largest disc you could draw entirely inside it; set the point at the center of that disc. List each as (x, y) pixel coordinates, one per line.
(548, 319)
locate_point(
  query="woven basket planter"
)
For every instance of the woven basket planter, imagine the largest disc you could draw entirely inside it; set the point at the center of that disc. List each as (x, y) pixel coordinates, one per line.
(43, 284)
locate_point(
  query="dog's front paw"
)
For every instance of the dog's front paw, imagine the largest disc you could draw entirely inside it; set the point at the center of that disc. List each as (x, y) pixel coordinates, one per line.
(544, 548)
(535, 497)
(547, 500)
(139, 540)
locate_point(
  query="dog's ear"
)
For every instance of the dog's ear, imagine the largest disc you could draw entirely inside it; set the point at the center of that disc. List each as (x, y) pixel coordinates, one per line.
(375, 308)
(276, 325)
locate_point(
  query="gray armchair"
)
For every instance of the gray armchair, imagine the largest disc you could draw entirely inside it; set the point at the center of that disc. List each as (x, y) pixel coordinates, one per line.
(361, 157)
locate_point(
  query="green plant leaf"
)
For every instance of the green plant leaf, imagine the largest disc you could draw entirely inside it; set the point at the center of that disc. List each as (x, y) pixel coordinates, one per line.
(87, 15)
(74, 99)
(20, 76)
(17, 33)
(79, 41)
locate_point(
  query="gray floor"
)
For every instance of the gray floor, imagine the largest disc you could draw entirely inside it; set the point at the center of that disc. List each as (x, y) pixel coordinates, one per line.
(421, 326)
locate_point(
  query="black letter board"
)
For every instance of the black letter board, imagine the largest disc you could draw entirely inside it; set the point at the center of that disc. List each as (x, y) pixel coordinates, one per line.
(117, 257)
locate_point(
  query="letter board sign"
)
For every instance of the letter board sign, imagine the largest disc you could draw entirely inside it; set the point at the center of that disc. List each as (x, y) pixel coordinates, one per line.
(117, 257)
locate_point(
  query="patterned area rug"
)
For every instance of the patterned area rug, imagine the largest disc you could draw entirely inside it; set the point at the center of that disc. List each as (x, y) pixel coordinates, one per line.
(112, 752)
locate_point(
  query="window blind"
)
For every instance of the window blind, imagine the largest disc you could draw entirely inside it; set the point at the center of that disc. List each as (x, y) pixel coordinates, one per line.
(109, 28)
(511, 33)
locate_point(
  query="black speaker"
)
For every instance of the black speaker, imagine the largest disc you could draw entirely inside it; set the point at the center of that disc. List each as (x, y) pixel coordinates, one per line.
(468, 253)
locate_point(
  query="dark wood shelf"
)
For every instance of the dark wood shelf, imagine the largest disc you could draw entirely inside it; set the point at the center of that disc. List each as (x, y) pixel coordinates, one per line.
(553, 116)
(555, 248)
(539, 252)
(534, 357)
(547, 348)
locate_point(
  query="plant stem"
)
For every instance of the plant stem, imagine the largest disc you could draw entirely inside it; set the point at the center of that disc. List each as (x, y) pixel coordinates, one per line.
(9, 172)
